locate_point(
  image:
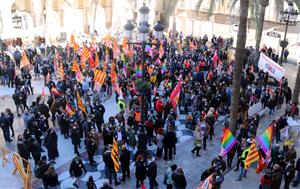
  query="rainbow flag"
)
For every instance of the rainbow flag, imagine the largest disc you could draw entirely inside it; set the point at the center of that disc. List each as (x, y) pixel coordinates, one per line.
(138, 70)
(227, 141)
(164, 68)
(265, 140)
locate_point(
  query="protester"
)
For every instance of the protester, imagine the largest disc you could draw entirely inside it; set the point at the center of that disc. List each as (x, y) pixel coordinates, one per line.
(77, 170)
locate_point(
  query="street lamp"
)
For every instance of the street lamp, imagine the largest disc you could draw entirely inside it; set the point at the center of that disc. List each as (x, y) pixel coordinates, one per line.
(288, 17)
(143, 30)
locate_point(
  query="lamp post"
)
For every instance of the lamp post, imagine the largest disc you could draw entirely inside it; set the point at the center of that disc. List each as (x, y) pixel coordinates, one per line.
(288, 17)
(143, 30)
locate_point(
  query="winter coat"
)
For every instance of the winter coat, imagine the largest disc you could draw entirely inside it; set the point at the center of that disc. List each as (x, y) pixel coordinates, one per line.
(108, 160)
(76, 169)
(276, 179)
(23, 150)
(125, 158)
(50, 180)
(140, 170)
(179, 180)
(169, 139)
(265, 182)
(152, 170)
(75, 136)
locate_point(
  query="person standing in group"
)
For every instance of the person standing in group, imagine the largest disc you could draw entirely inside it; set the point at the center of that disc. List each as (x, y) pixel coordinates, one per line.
(289, 174)
(4, 124)
(91, 147)
(50, 179)
(76, 170)
(51, 144)
(179, 179)
(10, 118)
(152, 172)
(17, 100)
(90, 184)
(75, 138)
(125, 163)
(168, 180)
(297, 178)
(23, 151)
(140, 171)
(159, 141)
(197, 141)
(169, 142)
(109, 164)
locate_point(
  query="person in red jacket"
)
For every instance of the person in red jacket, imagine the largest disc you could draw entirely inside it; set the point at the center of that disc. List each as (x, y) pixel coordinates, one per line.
(159, 106)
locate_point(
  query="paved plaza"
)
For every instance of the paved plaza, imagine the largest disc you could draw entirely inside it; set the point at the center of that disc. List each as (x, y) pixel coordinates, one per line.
(193, 166)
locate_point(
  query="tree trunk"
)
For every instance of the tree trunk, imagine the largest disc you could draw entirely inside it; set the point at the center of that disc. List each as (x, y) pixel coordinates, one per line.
(238, 64)
(260, 24)
(296, 91)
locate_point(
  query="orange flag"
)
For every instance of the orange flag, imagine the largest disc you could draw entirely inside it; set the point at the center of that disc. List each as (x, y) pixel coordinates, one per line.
(61, 71)
(24, 61)
(80, 104)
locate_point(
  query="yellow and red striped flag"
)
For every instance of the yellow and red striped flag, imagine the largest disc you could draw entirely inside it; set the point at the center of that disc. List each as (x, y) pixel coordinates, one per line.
(115, 155)
(86, 53)
(24, 61)
(252, 156)
(99, 76)
(80, 104)
(96, 60)
(75, 66)
(61, 71)
(82, 63)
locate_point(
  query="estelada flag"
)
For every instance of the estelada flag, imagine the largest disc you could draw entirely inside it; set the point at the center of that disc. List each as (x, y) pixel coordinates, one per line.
(174, 97)
(80, 104)
(69, 110)
(115, 155)
(24, 61)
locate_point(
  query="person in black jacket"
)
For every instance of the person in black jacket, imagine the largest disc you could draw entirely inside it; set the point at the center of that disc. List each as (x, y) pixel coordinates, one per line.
(23, 151)
(140, 170)
(76, 170)
(50, 178)
(179, 179)
(10, 118)
(125, 162)
(4, 124)
(91, 147)
(109, 164)
(297, 179)
(17, 100)
(289, 174)
(75, 136)
(51, 144)
(152, 172)
(90, 184)
(169, 142)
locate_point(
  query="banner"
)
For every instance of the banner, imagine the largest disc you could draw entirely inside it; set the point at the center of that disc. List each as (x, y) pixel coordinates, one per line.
(268, 65)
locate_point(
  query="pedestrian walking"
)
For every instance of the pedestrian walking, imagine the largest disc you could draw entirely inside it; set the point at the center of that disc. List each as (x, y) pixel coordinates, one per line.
(77, 171)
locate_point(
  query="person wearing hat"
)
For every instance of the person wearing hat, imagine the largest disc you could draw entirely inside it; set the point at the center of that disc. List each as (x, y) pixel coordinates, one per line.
(125, 162)
(76, 170)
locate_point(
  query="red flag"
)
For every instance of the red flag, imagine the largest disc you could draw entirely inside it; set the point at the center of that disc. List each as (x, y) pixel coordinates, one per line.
(215, 59)
(43, 92)
(55, 92)
(174, 97)
(92, 62)
(261, 164)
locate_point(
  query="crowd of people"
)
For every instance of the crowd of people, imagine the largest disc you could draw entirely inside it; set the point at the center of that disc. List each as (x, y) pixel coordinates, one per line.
(206, 74)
